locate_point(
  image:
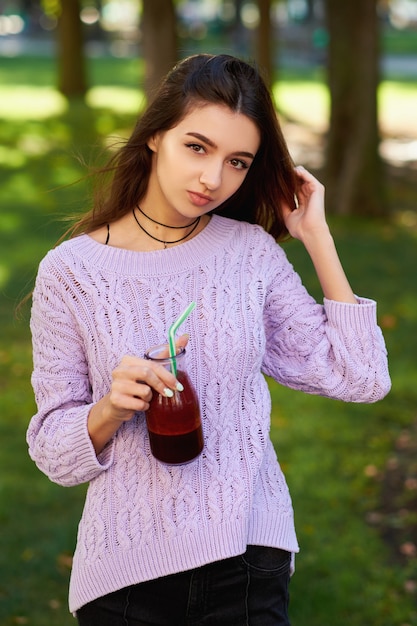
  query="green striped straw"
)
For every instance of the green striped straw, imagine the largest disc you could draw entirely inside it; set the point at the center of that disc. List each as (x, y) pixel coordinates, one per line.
(171, 336)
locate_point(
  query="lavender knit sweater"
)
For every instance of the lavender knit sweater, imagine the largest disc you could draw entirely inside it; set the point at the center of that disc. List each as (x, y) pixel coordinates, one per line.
(93, 304)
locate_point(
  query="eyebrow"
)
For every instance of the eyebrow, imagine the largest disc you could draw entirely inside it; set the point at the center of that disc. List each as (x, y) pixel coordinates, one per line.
(211, 143)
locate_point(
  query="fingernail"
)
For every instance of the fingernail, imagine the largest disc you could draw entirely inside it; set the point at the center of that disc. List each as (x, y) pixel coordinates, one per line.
(179, 387)
(168, 392)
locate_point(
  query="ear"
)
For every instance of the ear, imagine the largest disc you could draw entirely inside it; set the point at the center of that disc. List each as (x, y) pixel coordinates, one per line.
(152, 143)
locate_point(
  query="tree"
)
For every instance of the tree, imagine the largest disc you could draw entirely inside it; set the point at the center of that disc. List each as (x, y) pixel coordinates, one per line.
(159, 41)
(353, 171)
(264, 39)
(71, 60)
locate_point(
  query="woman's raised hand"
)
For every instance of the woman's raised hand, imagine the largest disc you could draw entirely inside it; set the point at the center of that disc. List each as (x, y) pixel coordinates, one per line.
(308, 224)
(308, 219)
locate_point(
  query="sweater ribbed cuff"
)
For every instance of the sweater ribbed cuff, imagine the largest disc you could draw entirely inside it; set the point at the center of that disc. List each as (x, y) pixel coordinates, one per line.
(360, 315)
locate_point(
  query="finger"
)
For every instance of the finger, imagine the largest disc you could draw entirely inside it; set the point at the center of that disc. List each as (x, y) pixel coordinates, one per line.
(157, 378)
(153, 374)
(134, 371)
(182, 341)
(126, 400)
(302, 172)
(286, 210)
(164, 382)
(131, 389)
(308, 178)
(126, 406)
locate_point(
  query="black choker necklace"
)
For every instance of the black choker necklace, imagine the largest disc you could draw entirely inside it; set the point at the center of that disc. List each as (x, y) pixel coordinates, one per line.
(197, 219)
(194, 224)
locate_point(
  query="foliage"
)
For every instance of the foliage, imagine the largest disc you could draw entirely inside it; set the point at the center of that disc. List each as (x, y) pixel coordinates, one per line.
(335, 455)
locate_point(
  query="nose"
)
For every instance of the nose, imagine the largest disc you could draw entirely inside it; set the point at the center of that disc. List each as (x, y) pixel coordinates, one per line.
(211, 176)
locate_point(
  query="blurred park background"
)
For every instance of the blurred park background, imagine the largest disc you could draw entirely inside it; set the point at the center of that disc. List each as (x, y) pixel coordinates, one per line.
(74, 74)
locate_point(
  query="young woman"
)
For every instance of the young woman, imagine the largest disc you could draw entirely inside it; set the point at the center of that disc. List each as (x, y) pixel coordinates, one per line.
(197, 198)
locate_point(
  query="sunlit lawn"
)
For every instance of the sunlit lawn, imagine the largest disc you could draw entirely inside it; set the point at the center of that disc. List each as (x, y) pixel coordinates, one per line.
(332, 453)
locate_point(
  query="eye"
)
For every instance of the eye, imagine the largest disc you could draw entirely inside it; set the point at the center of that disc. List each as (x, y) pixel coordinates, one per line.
(195, 147)
(239, 164)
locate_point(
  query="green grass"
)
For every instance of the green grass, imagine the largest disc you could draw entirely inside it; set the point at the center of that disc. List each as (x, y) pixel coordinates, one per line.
(399, 41)
(332, 452)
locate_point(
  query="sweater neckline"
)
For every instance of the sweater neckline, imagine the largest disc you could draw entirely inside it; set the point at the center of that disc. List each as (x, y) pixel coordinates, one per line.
(157, 262)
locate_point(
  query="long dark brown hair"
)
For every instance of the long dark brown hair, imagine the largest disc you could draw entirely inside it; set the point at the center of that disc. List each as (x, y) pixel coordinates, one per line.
(200, 79)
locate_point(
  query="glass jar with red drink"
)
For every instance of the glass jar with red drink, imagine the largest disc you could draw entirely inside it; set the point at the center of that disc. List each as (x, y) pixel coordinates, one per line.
(174, 424)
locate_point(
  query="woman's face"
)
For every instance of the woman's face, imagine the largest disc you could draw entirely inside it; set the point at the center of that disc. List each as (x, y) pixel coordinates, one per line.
(201, 162)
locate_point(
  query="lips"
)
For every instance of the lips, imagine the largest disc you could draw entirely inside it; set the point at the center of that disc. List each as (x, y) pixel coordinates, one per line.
(199, 199)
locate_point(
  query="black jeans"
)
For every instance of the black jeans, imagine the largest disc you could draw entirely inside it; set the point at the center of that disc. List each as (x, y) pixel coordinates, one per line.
(247, 590)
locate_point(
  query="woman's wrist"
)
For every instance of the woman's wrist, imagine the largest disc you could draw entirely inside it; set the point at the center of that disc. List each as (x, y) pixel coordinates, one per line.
(318, 239)
(102, 423)
(321, 247)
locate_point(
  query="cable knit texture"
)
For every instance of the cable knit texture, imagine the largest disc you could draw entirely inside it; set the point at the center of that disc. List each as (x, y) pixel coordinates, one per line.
(93, 304)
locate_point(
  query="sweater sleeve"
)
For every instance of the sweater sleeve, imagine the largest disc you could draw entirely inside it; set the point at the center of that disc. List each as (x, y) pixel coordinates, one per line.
(336, 350)
(57, 436)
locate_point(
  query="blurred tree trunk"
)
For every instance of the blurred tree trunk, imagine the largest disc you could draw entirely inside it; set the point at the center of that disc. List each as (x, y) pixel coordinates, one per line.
(354, 177)
(159, 41)
(238, 31)
(264, 40)
(310, 10)
(71, 60)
